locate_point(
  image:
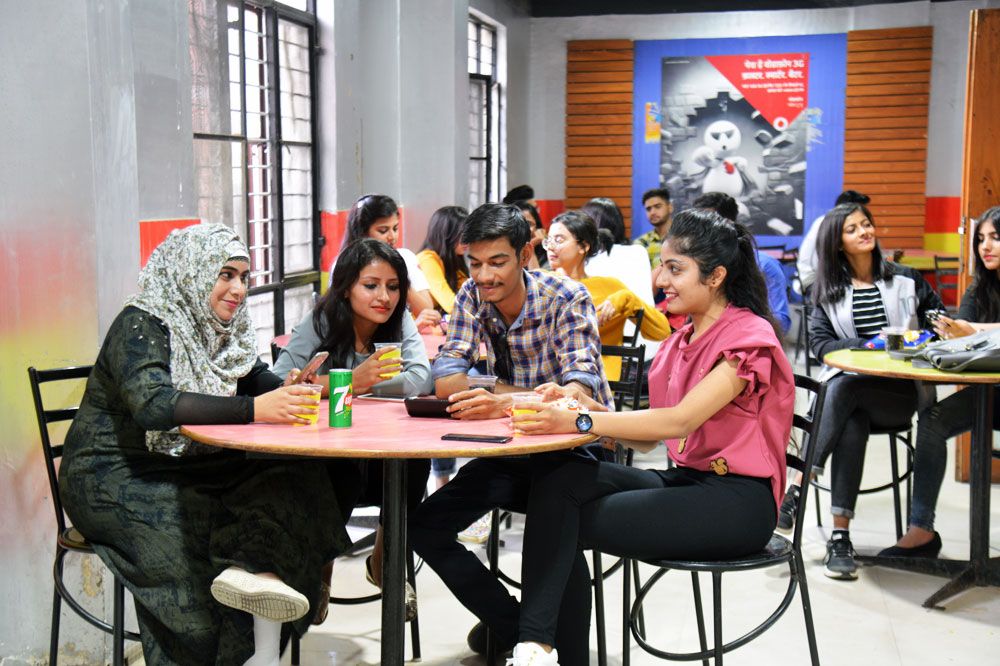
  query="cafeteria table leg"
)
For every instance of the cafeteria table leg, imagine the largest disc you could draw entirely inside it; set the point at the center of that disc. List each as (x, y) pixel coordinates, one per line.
(394, 558)
(981, 570)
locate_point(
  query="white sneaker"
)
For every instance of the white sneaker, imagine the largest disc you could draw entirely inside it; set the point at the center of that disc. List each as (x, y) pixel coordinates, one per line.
(532, 654)
(479, 531)
(264, 596)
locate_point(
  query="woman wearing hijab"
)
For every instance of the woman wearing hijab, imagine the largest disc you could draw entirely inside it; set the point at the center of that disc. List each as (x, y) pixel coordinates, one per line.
(179, 522)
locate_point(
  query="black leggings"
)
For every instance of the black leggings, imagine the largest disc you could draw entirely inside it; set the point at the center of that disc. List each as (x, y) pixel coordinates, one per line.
(677, 513)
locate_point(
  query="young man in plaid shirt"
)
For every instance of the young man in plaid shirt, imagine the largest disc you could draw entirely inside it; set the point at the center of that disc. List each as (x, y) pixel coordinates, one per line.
(538, 328)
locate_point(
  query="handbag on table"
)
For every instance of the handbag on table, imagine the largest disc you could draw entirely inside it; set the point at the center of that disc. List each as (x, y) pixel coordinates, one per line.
(979, 352)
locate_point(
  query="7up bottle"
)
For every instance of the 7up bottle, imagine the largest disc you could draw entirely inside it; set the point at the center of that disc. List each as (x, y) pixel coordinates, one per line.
(340, 398)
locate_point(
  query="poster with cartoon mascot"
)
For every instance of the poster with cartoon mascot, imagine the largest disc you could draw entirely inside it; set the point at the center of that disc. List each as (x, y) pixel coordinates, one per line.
(758, 118)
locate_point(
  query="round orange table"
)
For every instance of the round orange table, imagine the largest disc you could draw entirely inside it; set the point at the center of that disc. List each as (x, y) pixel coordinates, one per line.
(979, 569)
(382, 429)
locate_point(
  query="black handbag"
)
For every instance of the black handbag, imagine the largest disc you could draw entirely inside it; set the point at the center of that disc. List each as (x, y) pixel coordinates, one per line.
(979, 352)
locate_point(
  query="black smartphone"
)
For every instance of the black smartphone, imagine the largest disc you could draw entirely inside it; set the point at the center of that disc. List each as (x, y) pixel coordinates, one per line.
(486, 439)
(312, 366)
(427, 406)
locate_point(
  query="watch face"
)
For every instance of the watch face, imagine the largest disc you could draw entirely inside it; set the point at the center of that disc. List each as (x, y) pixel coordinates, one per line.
(584, 423)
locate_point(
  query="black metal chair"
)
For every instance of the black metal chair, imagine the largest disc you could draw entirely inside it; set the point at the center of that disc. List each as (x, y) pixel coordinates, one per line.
(633, 339)
(68, 538)
(901, 435)
(802, 335)
(779, 552)
(946, 277)
(627, 392)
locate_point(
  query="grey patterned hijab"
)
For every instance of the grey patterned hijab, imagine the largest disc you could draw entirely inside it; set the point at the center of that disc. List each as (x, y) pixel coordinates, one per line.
(207, 355)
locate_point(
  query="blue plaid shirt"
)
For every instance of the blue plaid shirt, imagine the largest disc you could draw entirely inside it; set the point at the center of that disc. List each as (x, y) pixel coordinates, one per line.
(553, 339)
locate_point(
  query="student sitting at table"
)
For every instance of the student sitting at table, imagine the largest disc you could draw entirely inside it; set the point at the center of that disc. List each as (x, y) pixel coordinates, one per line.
(442, 259)
(180, 522)
(538, 328)
(377, 216)
(573, 238)
(618, 258)
(364, 305)
(979, 310)
(857, 293)
(722, 395)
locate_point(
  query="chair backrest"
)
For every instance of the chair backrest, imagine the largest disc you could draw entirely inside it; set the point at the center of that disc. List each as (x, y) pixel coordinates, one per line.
(46, 416)
(628, 389)
(807, 425)
(633, 340)
(946, 273)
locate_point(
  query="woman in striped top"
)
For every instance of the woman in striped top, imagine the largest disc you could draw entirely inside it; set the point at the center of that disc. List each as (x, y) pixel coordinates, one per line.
(857, 293)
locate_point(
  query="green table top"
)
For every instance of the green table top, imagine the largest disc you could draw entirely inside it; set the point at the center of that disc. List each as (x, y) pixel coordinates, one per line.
(879, 364)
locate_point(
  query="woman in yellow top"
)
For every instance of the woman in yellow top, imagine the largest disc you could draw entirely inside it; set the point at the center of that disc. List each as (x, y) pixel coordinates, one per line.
(573, 237)
(442, 257)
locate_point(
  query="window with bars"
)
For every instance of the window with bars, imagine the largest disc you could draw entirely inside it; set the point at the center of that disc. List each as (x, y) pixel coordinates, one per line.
(484, 113)
(253, 95)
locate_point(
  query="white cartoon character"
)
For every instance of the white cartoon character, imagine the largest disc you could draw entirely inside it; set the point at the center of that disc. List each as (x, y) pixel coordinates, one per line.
(721, 170)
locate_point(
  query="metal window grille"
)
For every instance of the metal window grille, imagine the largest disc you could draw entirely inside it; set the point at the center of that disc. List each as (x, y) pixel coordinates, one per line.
(484, 107)
(253, 104)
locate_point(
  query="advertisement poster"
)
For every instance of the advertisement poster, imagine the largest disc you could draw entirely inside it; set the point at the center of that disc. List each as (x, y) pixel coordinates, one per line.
(745, 117)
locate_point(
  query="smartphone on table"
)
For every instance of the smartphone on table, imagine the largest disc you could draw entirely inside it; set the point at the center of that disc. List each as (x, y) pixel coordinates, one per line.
(485, 439)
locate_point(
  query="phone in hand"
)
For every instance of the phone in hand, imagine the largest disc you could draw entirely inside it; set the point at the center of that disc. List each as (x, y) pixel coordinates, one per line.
(312, 366)
(486, 439)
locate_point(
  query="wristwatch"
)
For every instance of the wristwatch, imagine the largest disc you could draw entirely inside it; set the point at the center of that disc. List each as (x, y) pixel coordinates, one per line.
(583, 421)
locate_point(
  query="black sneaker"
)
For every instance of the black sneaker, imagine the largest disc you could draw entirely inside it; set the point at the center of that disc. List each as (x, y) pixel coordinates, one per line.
(786, 514)
(839, 562)
(477, 641)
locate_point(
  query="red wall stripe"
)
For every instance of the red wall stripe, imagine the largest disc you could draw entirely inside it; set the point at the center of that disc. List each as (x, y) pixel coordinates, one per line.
(549, 208)
(944, 214)
(154, 232)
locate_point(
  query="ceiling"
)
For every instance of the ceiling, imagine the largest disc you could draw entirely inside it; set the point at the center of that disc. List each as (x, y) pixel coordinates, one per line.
(599, 7)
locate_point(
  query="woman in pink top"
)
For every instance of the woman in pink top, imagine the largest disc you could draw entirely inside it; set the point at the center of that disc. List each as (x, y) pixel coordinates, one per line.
(722, 394)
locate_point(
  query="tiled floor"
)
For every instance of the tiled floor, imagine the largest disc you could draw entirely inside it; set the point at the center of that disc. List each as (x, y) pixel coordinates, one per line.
(877, 619)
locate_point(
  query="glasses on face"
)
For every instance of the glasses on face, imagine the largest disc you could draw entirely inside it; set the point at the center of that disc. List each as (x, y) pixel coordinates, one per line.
(552, 242)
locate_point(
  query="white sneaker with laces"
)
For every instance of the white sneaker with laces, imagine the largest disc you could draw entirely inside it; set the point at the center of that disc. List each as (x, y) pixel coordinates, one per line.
(259, 594)
(479, 531)
(532, 654)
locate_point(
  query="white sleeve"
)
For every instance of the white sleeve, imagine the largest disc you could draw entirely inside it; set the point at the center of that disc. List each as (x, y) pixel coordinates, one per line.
(418, 282)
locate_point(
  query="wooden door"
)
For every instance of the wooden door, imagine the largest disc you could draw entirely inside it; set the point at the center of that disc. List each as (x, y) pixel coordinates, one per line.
(981, 163)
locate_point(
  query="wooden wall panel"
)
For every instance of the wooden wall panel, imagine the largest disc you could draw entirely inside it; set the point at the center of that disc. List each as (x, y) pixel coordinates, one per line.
(885, 142)
(599, 123)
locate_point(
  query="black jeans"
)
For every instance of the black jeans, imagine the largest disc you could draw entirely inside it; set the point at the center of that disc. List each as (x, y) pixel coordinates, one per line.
(855, 403)
(677, 513)
(479, 487)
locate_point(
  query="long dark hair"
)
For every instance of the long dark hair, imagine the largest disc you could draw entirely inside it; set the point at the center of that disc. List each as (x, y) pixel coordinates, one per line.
(987, 289)
(444, 232)
(607, 215)
(585, 230)
(333, 312)
(833, 276)
(713, 241)
(364, 213)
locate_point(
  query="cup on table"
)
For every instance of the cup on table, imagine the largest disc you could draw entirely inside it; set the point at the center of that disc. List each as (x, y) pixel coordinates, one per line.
(385, 351)
(895, 337)
(315, 391)
(527, 396)
(488, 382)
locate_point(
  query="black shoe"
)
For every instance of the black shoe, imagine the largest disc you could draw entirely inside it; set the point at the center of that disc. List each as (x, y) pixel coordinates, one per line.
(786, 514)
(928, 550)
(839, 562)
(477, 641)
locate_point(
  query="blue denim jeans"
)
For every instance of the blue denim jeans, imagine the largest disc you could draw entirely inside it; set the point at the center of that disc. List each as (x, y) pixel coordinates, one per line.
(443, 466)
(936, 425)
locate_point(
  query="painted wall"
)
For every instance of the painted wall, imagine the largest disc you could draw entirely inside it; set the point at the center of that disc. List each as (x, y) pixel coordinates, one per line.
(97, 137)
(949, 19)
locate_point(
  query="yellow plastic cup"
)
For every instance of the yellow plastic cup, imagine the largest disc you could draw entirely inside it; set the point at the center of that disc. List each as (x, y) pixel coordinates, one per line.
(394, 351)
(312, 415)
(524, 397)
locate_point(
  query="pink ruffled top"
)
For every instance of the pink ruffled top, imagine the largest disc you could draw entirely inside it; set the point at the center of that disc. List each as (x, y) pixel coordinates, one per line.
(749, 435)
